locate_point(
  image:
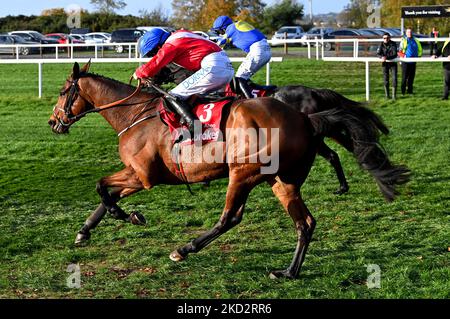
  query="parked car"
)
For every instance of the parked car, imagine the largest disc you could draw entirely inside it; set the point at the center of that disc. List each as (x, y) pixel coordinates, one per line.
(78, 37)
(288, 32)
(34, 36)
(318, 32)
(14, 39)
(375, 32)
(98, 37)
(393, 32)
(208, 35)
(168, 29)
(344, 33)
(62, 38)
(125, 36)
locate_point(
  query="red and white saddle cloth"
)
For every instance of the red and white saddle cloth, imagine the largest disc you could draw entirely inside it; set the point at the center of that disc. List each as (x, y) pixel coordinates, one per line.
(209, 114)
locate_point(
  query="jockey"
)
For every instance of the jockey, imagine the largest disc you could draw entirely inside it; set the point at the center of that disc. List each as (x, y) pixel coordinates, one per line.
(250, 40)
(212, 67)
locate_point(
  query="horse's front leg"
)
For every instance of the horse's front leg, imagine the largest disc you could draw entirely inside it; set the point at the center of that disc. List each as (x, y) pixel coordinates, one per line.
(237, 194)
(129, 182)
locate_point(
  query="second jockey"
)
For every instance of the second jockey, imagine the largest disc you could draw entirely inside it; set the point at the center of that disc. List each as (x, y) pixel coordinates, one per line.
(212, 67)
(250, 40)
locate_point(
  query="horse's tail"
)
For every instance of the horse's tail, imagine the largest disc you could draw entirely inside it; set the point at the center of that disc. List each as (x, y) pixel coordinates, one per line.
(368, 152)
(334, 99)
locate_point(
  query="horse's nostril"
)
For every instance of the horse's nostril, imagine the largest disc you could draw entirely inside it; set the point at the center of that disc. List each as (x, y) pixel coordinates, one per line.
(51, 123)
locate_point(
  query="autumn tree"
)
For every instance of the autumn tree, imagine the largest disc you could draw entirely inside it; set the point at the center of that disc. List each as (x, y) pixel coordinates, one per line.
(391, 15)
(53, 11)
(155, 17)
(356, 13)
(108, 6)
(287, 12)
(200, 14)
(186, 13)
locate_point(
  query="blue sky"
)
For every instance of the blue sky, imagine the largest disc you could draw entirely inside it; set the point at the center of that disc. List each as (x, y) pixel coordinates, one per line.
(27, 7)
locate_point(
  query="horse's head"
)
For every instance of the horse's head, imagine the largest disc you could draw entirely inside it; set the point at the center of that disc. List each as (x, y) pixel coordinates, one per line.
(71, 104)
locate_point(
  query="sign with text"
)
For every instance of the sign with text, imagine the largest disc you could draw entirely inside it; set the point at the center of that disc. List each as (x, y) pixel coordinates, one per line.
(426, 11)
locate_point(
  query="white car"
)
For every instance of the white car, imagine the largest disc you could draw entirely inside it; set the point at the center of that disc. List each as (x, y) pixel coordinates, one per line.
(208, 35)
(287, 32)
(97, 37)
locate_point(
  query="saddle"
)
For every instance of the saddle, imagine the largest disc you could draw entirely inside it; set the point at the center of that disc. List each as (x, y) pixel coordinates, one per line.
(207, 109)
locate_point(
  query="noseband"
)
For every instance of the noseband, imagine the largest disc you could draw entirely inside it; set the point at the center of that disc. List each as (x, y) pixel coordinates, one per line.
(74, 90)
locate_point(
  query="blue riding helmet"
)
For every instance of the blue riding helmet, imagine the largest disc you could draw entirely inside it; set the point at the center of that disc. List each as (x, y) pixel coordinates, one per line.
(221, 23)
(152, 39)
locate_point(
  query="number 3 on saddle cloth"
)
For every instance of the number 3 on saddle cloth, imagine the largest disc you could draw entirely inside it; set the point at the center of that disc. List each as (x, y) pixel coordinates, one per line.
(209, 114)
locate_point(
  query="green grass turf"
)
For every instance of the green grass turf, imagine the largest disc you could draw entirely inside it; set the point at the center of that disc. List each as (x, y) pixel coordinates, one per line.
(47, 189)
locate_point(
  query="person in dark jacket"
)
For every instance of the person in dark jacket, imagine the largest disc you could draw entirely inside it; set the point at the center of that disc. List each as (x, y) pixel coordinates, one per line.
(388, 51)
(444, 51)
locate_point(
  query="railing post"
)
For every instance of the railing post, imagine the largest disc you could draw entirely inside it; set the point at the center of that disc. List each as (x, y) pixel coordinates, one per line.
(367, 81)
(268, 73)
(129, 51)
(285, 44)
(317, 48)
(40, 79)
(17, 52)
(309, 49)
(322, 49)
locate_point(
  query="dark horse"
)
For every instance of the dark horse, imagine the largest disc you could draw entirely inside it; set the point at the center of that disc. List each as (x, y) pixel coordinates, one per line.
(309, 101)
(146, 151)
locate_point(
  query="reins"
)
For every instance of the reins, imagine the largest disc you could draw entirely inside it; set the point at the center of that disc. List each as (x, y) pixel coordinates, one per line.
(110, 105)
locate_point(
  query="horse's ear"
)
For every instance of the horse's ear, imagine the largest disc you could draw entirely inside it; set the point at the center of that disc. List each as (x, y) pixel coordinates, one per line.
(86, 67)
(76, 71)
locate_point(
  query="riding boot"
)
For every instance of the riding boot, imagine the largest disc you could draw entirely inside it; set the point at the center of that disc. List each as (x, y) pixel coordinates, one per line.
(244, 87)
(386, 92)
(184, 110)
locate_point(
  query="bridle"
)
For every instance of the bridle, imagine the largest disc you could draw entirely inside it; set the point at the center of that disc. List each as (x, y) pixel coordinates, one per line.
(72, 91)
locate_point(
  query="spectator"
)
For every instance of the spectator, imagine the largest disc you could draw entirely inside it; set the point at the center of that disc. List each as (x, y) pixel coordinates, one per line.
(410, 47)
(388, 51)
(433, 44)
(444, 51)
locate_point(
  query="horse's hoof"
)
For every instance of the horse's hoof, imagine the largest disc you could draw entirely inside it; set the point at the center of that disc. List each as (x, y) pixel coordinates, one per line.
(82, 238)
(137, 219)
(176, 256)
(277, 274)
(341, 191)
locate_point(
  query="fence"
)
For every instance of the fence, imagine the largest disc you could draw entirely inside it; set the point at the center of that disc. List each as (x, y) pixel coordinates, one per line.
(96, 59)
(318, 43)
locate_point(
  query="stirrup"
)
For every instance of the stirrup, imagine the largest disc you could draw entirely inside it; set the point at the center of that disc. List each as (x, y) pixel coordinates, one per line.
(244, 87)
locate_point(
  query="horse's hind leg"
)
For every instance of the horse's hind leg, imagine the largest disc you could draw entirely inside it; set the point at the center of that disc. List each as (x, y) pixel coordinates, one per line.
(333, 158)
(128, 183)
(237, 194)
(289, 196)
(94, 219)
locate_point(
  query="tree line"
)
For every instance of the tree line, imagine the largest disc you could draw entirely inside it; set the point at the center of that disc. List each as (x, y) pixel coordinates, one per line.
(200, 14)
(188, 14)
(356, 14)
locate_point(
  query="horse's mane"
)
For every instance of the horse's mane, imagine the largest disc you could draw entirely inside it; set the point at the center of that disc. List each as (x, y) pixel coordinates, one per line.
(117, 82)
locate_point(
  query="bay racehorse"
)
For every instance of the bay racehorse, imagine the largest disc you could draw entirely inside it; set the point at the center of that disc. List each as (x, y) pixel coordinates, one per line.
(146, 152)
(309, 101)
